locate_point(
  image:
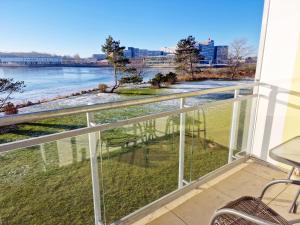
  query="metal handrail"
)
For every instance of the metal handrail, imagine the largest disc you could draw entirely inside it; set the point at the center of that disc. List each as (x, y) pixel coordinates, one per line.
(26, 117)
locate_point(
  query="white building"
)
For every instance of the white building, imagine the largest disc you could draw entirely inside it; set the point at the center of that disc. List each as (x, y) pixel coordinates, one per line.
(29, 60)
(169, 50)
(166, 60)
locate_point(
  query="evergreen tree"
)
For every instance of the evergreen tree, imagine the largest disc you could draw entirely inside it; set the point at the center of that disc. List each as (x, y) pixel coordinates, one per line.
(187, 56)
(115, 55)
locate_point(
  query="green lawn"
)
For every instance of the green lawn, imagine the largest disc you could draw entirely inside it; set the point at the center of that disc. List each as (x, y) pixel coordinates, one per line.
(51, 184)
(139, 91)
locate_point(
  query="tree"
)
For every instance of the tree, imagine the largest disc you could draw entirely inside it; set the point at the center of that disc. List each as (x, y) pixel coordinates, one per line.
(161, 79)
(7, 88)
(115, 55)
(131, 77)
(134, 73)
(171, 78)
(239, 49)
(157, 81)
(187, 56)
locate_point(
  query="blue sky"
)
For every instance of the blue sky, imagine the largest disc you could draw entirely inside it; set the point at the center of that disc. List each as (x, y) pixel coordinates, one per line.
(81, 26)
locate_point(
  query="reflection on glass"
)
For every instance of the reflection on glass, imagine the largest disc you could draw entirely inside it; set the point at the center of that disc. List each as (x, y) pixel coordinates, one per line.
(140, 165)
(47, 184)
(137, 164)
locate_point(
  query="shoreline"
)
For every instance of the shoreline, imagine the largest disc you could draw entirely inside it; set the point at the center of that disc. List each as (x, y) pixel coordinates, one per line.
(70, 65)
(52, 65)
(96, 91)
(38, 102)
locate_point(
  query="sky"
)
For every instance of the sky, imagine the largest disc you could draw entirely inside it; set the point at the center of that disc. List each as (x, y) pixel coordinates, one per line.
(68, 27)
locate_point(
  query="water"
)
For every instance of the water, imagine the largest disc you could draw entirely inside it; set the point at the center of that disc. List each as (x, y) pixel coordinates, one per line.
(49, 82)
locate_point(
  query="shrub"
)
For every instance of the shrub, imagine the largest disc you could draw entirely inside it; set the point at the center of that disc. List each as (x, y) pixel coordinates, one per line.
(102, 88)
(171, 78)
(157, 80)
(131, 79)
(10, 109)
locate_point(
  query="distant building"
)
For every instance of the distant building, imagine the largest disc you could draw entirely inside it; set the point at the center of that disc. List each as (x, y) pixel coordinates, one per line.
(221, 54)
(251, 60)
(99, 57)
(29, 59)
(132, 52)
(207, 50)
(67, 60)
(163, 60)
(169, 50)
(213, 54)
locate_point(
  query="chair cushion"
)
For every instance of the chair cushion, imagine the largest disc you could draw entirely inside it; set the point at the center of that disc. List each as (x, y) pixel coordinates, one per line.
(251, 206)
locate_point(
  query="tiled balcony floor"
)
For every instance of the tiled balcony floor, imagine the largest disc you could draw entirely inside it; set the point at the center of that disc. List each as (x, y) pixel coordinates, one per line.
(197, 207)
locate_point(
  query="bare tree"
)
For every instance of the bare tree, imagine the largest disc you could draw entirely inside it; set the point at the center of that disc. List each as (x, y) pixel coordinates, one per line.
(239, 49)
(7, 88)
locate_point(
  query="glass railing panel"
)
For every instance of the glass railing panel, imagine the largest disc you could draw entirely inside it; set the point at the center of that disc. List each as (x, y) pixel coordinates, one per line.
(208, 135)
(41, 127)
(244, 128)
(139, 165)
(128, 112)
(47, 184)
(64, 123)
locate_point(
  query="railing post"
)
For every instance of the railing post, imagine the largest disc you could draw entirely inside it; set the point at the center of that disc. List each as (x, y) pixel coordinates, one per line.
(181, 146)
(234, 126)
(253, 116)
(94, 169)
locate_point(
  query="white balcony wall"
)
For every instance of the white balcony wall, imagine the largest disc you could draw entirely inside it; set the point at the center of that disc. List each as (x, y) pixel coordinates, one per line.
(279, 65)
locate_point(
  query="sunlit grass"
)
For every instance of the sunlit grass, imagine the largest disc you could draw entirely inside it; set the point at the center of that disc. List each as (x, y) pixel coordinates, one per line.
(51, 184)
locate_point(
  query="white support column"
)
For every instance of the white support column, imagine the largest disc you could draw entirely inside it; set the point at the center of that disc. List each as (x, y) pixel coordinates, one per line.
(234, 126)
(94, 169)
(181, 146)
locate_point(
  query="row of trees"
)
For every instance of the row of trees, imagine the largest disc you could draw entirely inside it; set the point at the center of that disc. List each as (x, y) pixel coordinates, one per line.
(187, 59)
(188, 56)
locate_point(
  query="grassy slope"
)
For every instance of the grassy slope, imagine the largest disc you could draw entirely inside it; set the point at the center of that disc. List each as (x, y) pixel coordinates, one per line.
(38, 187)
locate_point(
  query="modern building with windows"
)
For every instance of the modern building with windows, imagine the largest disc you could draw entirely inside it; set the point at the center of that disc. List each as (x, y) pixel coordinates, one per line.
(213, 54)
(132, 52)
(207, 50)
(221, 54)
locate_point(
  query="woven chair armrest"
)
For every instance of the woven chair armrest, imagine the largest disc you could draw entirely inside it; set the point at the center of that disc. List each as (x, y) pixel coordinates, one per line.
(239, 214)
(282, 181)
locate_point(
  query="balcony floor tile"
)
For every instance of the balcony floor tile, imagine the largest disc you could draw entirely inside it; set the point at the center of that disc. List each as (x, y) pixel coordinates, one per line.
(248, 179)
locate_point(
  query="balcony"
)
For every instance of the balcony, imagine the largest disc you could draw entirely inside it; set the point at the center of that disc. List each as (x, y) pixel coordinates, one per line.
(247, 178)
(161, 160)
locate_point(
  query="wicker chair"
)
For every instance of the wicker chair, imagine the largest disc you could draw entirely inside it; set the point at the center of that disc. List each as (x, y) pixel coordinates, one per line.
(251, 211)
